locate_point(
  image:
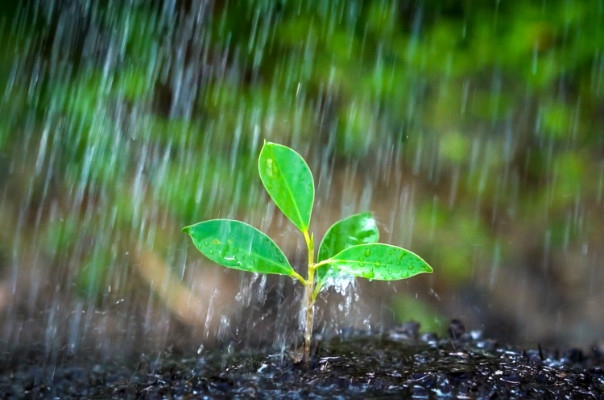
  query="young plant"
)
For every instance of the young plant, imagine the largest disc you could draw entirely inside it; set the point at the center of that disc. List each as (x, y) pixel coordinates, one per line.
(349, 247)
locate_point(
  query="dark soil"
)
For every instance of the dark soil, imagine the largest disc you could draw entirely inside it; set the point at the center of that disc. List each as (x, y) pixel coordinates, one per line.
(400, 363)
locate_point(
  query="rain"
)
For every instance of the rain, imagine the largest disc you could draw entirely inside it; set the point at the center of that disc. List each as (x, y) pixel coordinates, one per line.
(472, 132)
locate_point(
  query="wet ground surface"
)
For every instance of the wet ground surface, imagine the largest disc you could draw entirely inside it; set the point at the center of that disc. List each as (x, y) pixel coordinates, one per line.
(400, 363)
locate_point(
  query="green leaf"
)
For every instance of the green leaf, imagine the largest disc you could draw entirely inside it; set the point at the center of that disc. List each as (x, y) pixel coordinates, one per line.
(92, 278)
(379, 261)
(351, 231)
(237, 245)
(288, 181)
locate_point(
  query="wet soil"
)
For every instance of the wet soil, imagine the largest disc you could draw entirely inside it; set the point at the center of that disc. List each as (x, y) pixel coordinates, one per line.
(399, 363)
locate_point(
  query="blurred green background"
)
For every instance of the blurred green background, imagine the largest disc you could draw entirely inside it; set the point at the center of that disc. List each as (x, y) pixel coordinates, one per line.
(472, 130)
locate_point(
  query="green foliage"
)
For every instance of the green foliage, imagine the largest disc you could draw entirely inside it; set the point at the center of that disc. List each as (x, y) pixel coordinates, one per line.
(92, 278)
(348, 232)
(408, 307)
(349, 245)
(351, 231)
(237, 245)
(288, 181)
(59, 236)
(379, 261)
(455, 147)
(457, 240)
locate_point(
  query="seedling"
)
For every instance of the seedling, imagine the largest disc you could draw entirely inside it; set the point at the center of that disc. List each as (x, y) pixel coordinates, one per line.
(349, 247)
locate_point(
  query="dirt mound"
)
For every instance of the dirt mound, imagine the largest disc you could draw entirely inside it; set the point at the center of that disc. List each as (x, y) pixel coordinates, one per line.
(393, 364)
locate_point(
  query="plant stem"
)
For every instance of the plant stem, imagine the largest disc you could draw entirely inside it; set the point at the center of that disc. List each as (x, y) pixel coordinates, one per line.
(299, 277)
(309, 289)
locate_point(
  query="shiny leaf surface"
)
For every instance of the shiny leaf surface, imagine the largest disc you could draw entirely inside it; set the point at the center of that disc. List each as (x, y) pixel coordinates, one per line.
(351, 231)
(379, 261)
(288, 181)
(237, 245)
